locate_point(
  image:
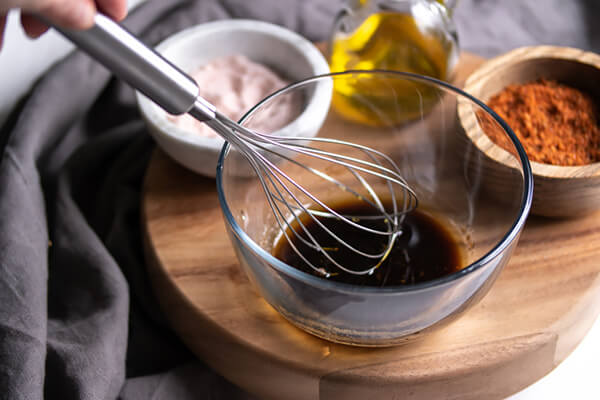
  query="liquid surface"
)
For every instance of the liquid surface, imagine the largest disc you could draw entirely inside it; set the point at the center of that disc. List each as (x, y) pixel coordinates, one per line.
(392, 41)
(426, 250)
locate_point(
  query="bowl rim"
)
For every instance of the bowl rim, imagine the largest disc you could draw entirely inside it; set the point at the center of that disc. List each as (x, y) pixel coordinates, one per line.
(510, 59)
(157, 117)
(508, 238)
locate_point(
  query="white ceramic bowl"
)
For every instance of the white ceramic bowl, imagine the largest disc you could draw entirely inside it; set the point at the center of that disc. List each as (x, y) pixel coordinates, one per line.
(285, 52)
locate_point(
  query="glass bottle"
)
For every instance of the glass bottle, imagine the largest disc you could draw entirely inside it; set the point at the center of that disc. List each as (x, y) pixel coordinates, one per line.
(416, 36)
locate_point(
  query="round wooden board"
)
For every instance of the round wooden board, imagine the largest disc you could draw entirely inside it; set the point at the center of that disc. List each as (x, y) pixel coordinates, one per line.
(538, 310)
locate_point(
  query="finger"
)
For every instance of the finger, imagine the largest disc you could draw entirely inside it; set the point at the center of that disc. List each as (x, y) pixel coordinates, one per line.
(73, 14)
(33, 27)
(2, 26)
(116, 9)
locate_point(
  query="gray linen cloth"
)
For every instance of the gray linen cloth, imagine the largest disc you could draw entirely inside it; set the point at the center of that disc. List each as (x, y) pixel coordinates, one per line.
(77, 317)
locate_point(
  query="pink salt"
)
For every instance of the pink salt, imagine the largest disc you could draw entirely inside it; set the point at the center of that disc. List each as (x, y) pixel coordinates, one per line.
(234, 84)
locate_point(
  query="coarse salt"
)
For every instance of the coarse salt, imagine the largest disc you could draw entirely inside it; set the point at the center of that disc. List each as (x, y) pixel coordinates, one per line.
(234, 84)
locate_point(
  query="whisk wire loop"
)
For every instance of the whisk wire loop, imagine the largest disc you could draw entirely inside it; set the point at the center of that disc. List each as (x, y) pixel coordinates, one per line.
(287, 198)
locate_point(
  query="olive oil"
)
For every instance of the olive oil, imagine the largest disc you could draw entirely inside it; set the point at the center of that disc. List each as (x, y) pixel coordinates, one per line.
(393, 41)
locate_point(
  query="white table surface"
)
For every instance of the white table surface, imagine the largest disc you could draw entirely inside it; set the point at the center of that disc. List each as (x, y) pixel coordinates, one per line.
(23, 60)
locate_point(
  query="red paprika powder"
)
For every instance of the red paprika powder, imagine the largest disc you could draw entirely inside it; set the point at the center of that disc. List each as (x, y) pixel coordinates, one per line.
(556, 124)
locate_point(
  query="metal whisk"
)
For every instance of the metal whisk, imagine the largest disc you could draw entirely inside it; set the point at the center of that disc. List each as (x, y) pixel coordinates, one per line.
(285, 195)
(177, 93)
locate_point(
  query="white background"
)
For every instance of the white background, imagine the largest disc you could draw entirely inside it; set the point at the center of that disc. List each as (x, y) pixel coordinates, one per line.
(23, 60)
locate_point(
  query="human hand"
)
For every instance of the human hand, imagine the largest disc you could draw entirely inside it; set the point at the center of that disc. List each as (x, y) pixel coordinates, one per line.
(73, 14)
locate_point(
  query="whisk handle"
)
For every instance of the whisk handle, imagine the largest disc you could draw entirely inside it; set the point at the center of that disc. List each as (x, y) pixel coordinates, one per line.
(138, 65)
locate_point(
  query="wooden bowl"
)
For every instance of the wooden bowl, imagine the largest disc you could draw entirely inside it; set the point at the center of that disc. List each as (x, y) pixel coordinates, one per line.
(559, 191)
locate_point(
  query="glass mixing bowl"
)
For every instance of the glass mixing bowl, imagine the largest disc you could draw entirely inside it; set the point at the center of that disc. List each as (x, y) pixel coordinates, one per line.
(486, 207)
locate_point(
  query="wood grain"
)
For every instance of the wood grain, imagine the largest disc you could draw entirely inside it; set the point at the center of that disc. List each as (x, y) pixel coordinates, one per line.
(538, 310)
(559, 190)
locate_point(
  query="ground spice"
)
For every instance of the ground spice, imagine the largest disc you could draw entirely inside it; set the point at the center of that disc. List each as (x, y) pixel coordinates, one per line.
(556, 124)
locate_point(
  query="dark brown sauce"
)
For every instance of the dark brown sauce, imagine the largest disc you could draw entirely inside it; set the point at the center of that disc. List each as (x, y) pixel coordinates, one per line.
(426, 250)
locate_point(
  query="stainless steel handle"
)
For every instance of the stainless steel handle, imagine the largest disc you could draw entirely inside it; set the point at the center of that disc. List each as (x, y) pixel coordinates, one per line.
(138, 65)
